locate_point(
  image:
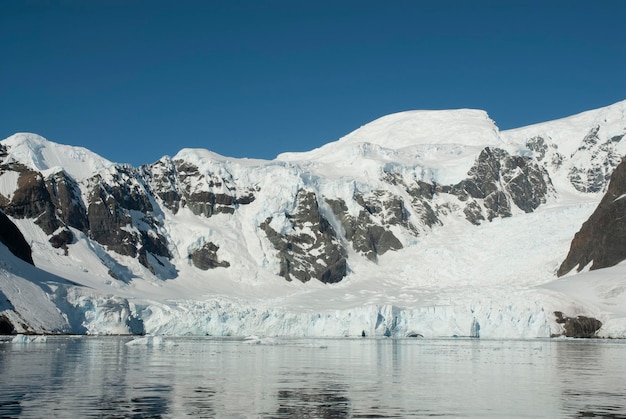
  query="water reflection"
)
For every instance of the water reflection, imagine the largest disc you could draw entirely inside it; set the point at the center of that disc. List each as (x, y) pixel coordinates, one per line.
(602, 395)
(104, 377)
(325, 400)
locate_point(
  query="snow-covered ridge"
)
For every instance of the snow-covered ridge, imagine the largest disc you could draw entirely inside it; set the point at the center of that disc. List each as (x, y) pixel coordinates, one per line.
(440, 144)
(48, 157)
(467, 127)
(405, 129)
(565, 132)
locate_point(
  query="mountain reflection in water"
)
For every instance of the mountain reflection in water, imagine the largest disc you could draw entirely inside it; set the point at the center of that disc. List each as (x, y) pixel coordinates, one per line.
(327, 378)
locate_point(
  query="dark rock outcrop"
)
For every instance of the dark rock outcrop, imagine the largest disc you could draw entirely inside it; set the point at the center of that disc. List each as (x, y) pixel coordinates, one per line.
(6, 327)
(422, 194)
(121, 218)
(107, 219)
(545, 152)
(602, 157)
(497, 181)
(602, 238)
(13, 239)
(61, 239)
(312, 250)
(32, 200)
(367, 237)
(54, 203)
(180, 184)
(118, 212)
(578, 327)
(206, 257)
(66, 198)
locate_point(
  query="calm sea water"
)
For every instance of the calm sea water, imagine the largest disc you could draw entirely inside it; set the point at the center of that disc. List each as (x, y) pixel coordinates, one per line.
(331, 378)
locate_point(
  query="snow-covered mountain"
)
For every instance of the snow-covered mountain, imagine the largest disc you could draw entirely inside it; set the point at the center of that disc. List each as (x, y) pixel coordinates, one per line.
(421, 222)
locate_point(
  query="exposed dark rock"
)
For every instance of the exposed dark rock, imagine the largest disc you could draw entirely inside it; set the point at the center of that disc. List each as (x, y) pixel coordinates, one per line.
(539, 146)
(602, 238)
(67, 201)
(13, 239)
(206, 257)
(527, 183)
(312, 251)
(496, 183)
(180, 184)
(32, 200)
(367, 237)
(246, 199)
(106, 221)
(545, 151)
(163, 177)
(127, 189)
(578, 327)
(387, 208)
(53, 202)
(422, 194)
(208, 203)
(121, 208)
(499, 181)
(111, 225)
(61, 239)
(603, 158)
(484, 183)
(6, 327)
(118, 213)
(473, 212)
(591, 139)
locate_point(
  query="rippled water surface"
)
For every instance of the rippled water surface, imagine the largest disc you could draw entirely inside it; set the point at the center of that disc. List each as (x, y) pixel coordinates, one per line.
(332, 378)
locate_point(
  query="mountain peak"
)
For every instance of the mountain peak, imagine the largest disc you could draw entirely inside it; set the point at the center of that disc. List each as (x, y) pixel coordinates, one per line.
(37, 153)
(424, 127)
(442, 142)
(412, 130)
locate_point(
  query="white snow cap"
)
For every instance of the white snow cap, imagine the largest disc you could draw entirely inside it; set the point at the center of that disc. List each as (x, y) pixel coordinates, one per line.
(440, 146)
(465, 127)
(405, 129)
(42, 155)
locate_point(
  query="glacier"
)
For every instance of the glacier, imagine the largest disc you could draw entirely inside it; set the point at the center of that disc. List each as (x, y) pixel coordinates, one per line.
(445, 277)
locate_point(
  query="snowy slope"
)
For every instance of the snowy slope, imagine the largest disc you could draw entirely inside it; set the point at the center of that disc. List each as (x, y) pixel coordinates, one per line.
(27, 303)
(436, 145)
(566, 131)
(36, 301)
(580, 149)
(47, 157)
(442, 274)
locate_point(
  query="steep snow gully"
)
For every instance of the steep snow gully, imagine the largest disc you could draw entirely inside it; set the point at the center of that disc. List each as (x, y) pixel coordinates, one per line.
(421, 223)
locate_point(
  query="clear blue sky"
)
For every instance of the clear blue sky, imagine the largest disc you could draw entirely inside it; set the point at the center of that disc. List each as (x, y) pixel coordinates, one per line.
(136, 80)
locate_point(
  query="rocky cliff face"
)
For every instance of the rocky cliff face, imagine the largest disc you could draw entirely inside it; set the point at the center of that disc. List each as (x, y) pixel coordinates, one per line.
(13, 239)
(601, 239)
(497, 182)
(603, 157)
(181, 184)
(115, 211)
(310, 247)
